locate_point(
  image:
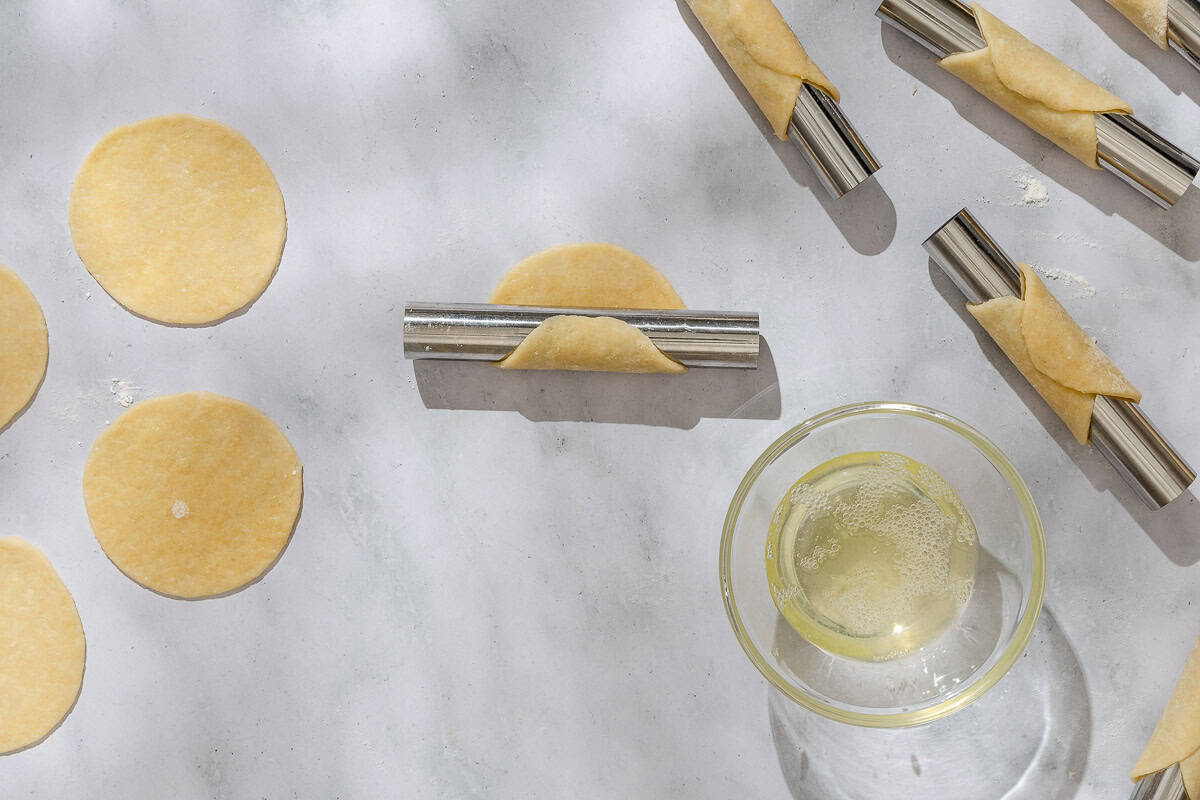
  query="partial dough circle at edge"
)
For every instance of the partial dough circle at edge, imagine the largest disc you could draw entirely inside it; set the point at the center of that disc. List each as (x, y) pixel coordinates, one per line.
(24, 346)
(45, 651)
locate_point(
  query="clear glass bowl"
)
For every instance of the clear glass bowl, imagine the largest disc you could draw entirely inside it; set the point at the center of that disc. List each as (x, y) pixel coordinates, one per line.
(988, 636)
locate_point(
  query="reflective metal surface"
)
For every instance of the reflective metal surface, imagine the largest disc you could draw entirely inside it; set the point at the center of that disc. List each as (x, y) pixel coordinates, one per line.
(1165, 785)
(976, 264)
(1139, 452)
(1124, 146)
(1143, 159)
(1183, 29)
(1130, 442)
(485, 332)
(943, 26)
(834, 149)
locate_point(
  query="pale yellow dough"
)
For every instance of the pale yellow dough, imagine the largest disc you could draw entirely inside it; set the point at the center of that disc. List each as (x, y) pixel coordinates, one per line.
(589, 275)
(24, 346)
(192, 495)
(1150, 16)
(597, 344)
(1176, 738)
(42, 648)
(1053, 353)
(764, 53)
(178, 218)
(1035, 87)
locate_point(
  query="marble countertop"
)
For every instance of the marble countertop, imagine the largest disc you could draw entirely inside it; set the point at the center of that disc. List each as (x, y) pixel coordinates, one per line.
(505, 585)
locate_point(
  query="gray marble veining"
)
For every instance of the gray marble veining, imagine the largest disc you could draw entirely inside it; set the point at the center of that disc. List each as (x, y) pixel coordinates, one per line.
(505, 586)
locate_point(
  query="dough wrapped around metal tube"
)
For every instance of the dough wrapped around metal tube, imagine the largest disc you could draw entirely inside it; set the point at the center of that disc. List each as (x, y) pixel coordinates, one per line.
(1054, 354)
(1035, 87)
(592, 275)
(1176, 738)
(764, 53)
(1150, 16)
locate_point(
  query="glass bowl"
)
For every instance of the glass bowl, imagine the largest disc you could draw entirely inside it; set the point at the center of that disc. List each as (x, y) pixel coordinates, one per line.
(986, 638)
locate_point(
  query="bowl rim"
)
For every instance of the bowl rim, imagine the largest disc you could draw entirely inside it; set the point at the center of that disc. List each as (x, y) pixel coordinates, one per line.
(1016, 645)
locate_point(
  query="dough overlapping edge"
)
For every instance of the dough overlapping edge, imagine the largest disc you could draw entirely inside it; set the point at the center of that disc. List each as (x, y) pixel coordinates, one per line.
(23, 353)
(765, 54)
(1035, 87)
(58, 638)
(587, 275)
(1054, 354)
(1150, 17)
(1176, 737)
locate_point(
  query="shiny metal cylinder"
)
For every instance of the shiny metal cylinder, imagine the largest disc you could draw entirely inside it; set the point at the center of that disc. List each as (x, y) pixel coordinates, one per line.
(486, 332)
(1120, 431)
(1131, 443)
(1183, 29)
(1165, 785)
(1143, 159)
(1124, 146)
(974, 262)
(829, 142)
(942, 26)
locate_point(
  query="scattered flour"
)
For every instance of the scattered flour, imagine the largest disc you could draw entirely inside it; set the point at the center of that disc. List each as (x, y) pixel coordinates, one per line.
(122, 391)
(180, 509)
(1074, 237)
(1035, 191)
(1074, 280)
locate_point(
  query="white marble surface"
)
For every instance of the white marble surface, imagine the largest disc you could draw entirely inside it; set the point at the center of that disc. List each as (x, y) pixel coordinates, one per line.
(504, 586)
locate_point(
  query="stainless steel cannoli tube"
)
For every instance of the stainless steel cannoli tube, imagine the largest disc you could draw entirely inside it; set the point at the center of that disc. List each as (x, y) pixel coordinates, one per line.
(1124, 146)
(486, 332)
(1141, 455)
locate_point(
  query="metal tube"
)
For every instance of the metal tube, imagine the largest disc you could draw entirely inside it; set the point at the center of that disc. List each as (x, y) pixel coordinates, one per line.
(829, 142)
(1124, 146)
(486, 332)
(1183, 29)
(1165, 785)
(1120, 431)
(1143, 159)
(942, 26)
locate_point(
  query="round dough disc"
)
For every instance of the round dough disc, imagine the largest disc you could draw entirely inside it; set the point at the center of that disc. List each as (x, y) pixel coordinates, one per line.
(41, 660)
(178, 218)
(193, 495)
(24, 346)
(586, 275)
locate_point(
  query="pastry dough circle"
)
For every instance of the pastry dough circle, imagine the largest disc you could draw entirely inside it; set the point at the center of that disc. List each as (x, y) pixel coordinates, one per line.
(193, 495)
(43, 652)
(592, 344)
(178, 218)
(588, 275)
(24, 346)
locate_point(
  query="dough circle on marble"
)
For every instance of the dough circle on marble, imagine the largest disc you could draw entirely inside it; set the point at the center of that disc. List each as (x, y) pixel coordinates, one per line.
(178, 218)
(588, 275)
(193, 495)
(24, 345)
(42, 649)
